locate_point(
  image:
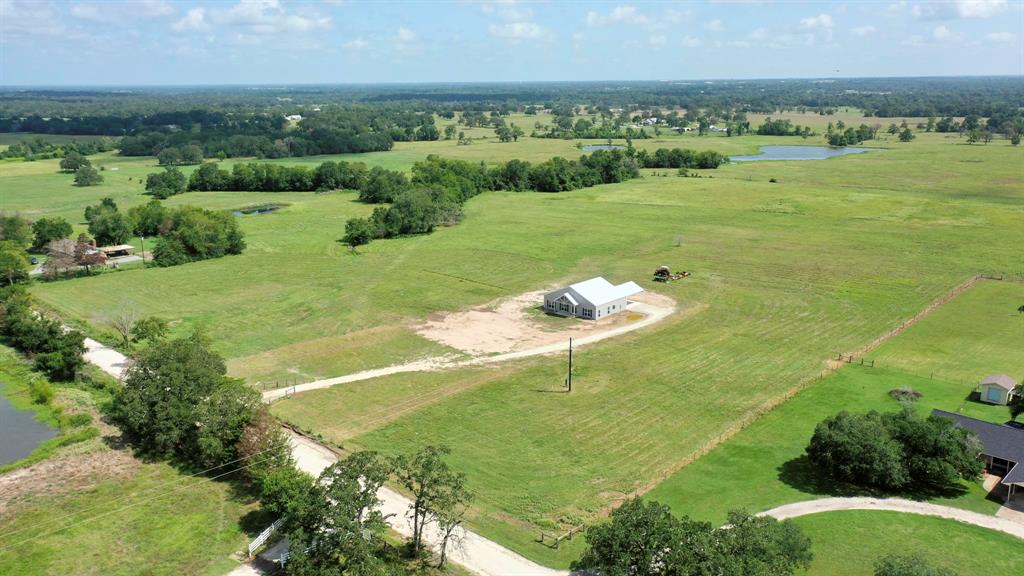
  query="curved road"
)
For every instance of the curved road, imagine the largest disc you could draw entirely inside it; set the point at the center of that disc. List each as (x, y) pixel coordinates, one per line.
(797, 509)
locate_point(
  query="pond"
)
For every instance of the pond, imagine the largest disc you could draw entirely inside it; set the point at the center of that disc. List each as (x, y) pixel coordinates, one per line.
(257, 210)
(800, 153)
(20, 432)
(596, 147)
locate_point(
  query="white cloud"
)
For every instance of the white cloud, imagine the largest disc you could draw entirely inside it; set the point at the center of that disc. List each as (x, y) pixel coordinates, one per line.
(121, 10)
(940, 33)
(658, 40)
(916, 40)
(863, 30)
(979, 8)
(517, 31)
(759, 34)
(508, 10)
(24, 17)
(355, 44)
(624, 14)
(194, 19)
(819, 22)
(714, 25)
(405, 36)
(691, 42)
(269, 17)
(1001, 37)
(738, 44)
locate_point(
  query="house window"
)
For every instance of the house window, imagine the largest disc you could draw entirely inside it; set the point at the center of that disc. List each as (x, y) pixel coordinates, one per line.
(993, 395)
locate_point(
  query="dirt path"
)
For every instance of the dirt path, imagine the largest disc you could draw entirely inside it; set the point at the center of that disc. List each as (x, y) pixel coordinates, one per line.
(798, 509)
(109, 360)
(476, 553)
(652, 314)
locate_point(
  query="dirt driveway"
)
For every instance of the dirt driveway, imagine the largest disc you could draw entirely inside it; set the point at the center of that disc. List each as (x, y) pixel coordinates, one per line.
(518, 323)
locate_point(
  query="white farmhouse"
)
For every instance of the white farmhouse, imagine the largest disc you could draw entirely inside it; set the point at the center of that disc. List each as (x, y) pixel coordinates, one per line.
(590, 299)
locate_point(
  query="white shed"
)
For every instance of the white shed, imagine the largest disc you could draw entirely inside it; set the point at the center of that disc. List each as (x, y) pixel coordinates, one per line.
(997, 389)
(590, 299)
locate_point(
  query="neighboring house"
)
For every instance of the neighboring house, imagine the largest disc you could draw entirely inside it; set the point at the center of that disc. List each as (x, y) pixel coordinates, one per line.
(997, 389)
(293, 118)
(117, 250)
(590, 299)
(1002, 449)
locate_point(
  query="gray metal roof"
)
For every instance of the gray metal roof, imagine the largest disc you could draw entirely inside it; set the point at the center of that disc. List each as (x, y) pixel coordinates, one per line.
(999, 440)
(1001, 380)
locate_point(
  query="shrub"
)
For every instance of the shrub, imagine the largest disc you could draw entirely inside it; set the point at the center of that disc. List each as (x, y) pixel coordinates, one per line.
(904, 394)
(895, 451)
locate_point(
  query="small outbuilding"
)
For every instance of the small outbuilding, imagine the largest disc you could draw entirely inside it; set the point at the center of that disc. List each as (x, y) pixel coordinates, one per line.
(590, 299)
(997, 389)
(117, 250)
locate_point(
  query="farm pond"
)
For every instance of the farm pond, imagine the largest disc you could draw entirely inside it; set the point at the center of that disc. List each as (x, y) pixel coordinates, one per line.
(800, 153)
(20, 432)
(596, 147)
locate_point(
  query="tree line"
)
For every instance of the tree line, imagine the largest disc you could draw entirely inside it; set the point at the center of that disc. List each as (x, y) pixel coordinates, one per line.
(39, 148)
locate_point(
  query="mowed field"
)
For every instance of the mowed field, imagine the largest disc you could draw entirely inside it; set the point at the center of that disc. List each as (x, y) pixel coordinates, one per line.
(764, 465)
(849, 543)
(826, 259)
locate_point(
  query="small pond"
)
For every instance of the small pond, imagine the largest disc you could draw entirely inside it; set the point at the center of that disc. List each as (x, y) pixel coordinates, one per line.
(257, 210)
(596, 147)
(20, 432)
(800, 153)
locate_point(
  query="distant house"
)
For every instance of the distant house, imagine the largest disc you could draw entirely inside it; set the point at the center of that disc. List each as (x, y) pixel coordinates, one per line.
(590, 299)
(997, 389)
(293, 118)
(1002, 449)
(116, 250)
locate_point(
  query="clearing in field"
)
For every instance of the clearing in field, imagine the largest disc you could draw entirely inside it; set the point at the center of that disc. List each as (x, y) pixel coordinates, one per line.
(519, 323)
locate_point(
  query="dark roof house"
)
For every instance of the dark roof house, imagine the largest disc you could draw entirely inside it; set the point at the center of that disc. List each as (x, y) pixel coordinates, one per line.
(1003, 447)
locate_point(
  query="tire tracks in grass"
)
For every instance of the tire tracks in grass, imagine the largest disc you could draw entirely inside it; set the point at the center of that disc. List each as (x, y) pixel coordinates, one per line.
(831, 365)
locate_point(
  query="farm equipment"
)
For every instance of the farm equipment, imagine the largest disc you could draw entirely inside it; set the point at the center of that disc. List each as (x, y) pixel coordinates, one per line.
(664, 274)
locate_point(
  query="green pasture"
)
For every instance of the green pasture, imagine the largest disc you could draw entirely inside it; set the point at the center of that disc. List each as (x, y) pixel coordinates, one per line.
(789, 273)
(849, 543)
(151, 516)
(977, 334)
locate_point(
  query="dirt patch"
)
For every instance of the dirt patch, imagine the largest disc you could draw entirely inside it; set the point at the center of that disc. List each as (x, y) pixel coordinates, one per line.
(519, 323)
(63, 475)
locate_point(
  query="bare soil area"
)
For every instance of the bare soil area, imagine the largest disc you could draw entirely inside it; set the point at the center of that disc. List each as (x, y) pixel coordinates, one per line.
(519, 323)
(63, 475)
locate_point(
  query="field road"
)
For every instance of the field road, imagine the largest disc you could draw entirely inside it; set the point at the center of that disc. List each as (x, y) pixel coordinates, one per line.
(476, 553)
(797, 509)
(652, 314)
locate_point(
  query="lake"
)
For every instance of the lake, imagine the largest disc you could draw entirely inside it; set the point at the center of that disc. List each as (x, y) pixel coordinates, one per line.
(596, 147)
(800, 153)
(20, 432)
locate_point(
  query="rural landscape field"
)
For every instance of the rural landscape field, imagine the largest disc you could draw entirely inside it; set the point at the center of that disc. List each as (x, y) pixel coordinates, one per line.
(538, 325)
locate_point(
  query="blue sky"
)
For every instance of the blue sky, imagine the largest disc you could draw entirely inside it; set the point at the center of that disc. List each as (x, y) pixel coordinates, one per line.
(133, 42)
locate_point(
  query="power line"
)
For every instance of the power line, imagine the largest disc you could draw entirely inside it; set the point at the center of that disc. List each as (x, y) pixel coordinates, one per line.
(123, 508)
(167, 483)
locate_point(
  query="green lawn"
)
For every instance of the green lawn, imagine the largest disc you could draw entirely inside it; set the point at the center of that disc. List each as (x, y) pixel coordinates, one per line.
(156, 519)
(849, 543)
(826, 259)
(979, 333)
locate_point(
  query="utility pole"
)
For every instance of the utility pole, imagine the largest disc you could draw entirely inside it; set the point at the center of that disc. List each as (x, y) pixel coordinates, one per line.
(569, 380)
(143, 239)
